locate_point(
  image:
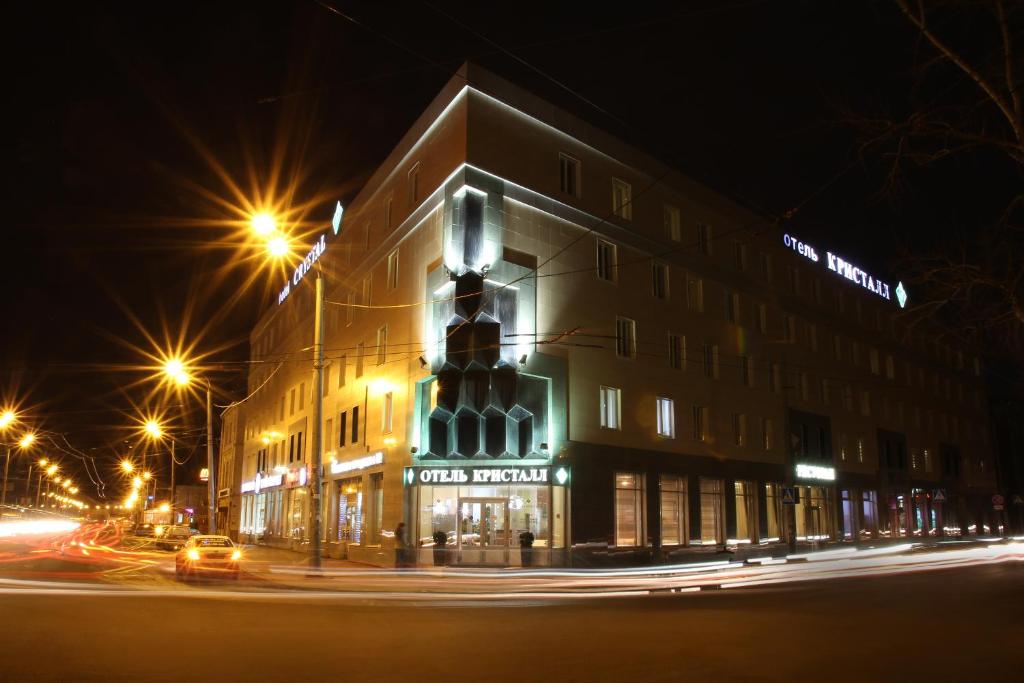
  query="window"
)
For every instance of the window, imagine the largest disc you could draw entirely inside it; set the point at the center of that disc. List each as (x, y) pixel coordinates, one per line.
(629, 509)
(747, 370)
(766, 266)
(855, 352)
(739, 429)
(927, 460)
(767, 434)
(848, 398)
(676, 352)
(812, 336)
(674, 506)
(712, 512)
(387, 212)
(739, 253)
(732, 307)
(805, 387)
(302, 396)
(355, 424)
(659, 277)
(746, 511)
(816, 290)
(762, 319)
(865, 402)
(360, 352)
(791, 329)
(382, 345)
(666, 417)
(875, 366)
(700, 423)
(393, 270)
(350, 308)
(825, 398)
(837, 346)
(695, 294)
(622, 199)
(673, 227)
(860, 449)
(376, 516)
(711, 361)
(414, 184)
(387, 414)
(342, 370)
(625, 338)
(569, 175)
(794, 279)
(840, 302)
(342, 428)
(291, 409)
(890, 367)
(913, 458)
(776, 378)
(773, 512)
(843, 447)
(610, 407)
(704, 238)
(606, 258)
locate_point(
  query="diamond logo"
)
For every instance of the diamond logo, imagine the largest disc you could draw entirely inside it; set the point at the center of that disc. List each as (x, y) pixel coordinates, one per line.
(562, 476)
(901, 295)
(336, 220)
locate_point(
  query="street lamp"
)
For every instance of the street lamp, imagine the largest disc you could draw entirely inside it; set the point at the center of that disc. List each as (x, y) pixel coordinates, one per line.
(23, 443)
(176, 371)
(44, 470)
(28, 482)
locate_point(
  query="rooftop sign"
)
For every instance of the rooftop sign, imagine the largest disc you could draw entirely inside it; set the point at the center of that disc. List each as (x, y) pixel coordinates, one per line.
(300, 271)
(846, 269)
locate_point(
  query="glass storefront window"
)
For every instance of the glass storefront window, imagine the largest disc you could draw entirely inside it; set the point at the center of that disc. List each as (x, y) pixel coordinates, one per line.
(746, 512)
(814, 513)
(492, 515)
(628, 509)
(869, 503)
(773, 512)
(350, 510)
(848, 513)
(712, 512)
(376, 520)
(297, 514)
(673, 510)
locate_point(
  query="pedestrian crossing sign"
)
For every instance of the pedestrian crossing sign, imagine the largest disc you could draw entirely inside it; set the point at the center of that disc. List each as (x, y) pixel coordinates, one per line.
(939, 495)
(790, 495)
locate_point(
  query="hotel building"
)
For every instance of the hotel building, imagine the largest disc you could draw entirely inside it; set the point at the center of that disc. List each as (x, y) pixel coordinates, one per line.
(532, 326)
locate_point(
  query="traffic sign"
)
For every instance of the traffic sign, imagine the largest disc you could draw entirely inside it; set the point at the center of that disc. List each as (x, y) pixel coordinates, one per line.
(997, 502)
(1017, 500)
(790, 495)
(939, 495)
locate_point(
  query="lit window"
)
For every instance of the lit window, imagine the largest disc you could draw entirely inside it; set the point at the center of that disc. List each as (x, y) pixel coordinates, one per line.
(739, 429)
(393, 270)
(666, 417)
(712, 512)
(766, 433)
(569, 175)
(695, 294)
(387, 414)
(860, 449)
(387, 212)
(674, 508)
(382, 345)
(659, 277)
(350, 308)
(711, 361)
(622, 199)
(629, 509)
(625, 338)
(700, 418)
(677, 352)
(610, 407)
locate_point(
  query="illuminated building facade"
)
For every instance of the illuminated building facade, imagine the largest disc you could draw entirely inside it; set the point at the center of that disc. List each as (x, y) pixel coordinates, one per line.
(533, 327)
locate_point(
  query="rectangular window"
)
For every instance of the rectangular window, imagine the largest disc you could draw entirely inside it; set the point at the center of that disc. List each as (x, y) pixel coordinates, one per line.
(865, 402)
(387, 213)
(739, 252)
(291, 409)
(712, 512)
(342, 370)
(711, 361)
(382, 345)
(327, 380)
(393, 270)
(747, 370)
(875, 365)
(791, 329)
(376, 517)
(659, 278)
(676, 352)
(674, 506)
(767, 433)
(732, 307)
(569, 175)
(860, 449)
(773, 512)
(355, 424)
(610, 407)
(812, 336)
(367, 289)
(606, 261)
(387, 413)
(704, 238)
(848, 398)
(625, 338)
(342, 428)
(927, 460)
(700, 423)
(739, 429)
(414, 184)
(843, 447)
(825, 397)
(695, 294)
(673, 226)
(766, 266)
(629, 509)
(816, 289)
(794, 279)
(666, 417)
(837, 346)
(350, 308)
(302, 396)
(622, 199)
(777, 378)
(805, 387)
(762, 319)
(360, 352)
(746, 511)
(890, 367)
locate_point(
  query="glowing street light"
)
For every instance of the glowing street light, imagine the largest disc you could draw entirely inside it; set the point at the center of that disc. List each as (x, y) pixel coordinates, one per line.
(127, 466)
(147, 476)
(23, 443)
(7, 418)
(26, 440)
(278, 247)
(153, 429)
(263, 224)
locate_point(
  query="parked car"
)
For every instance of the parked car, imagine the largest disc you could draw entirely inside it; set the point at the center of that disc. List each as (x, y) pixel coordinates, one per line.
(147, 530)
(212, 555)
(173, 537)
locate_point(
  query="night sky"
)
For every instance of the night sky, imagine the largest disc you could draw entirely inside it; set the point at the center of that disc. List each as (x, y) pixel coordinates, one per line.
(116, 112)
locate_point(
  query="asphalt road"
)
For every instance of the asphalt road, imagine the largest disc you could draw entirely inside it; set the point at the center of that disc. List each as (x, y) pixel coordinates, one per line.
(950, 625)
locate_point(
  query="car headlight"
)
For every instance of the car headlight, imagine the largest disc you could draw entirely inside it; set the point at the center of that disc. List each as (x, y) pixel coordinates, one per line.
(193, 554)
(159, 531)
(237, 555)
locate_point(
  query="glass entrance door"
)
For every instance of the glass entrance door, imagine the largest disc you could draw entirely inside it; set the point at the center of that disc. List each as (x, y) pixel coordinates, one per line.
(483, 536)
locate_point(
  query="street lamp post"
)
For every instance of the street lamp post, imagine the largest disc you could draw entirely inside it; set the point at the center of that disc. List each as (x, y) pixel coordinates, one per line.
(316, 521)
(24, 443)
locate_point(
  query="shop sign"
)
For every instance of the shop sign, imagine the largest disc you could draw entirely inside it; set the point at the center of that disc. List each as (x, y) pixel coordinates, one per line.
(262, 482)
(1017, 500)
(296, 476)
(479, 475)
(844, 268)
(204, 474)
(997, 502)
(371, 460)
(818, 472)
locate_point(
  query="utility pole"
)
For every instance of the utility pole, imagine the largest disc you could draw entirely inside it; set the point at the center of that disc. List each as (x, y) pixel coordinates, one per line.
(212, 478)
(318, 438)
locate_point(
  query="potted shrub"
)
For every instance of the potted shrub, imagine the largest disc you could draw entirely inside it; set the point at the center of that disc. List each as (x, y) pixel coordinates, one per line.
(440, 551)
(526, 548)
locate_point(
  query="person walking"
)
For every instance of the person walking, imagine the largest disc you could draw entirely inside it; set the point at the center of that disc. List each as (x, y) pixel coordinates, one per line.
(401, 547)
